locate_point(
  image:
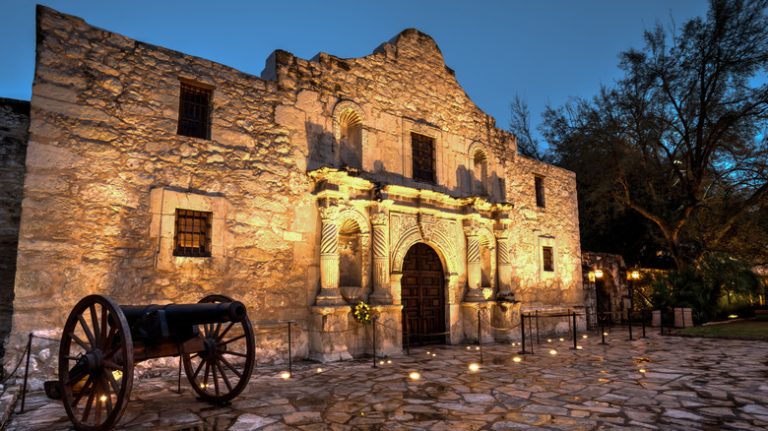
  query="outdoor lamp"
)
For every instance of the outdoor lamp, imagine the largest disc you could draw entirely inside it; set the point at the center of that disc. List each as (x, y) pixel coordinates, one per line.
(598, 273)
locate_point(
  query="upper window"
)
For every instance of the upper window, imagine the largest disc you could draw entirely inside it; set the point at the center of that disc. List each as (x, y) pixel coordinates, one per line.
(480, 173)
(423, 151)
(193, 233)
(351, 135)
(547, 258)
(539, 183)
(195, 111)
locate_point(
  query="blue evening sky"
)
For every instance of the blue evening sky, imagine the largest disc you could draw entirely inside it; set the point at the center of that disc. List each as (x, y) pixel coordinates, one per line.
(546, 50)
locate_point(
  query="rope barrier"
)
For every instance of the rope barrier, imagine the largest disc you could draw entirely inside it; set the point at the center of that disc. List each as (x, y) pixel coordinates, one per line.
(16, 368)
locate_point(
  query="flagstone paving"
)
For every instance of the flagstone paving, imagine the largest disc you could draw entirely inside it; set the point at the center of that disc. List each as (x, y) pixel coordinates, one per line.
(657, 383)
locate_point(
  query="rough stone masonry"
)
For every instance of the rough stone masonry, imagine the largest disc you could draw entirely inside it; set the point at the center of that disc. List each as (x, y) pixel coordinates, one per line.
(317, 181)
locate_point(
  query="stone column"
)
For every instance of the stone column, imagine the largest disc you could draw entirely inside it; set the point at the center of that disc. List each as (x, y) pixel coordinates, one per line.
(381, 285)
(329, 258)
(503, 263)
(474, 275)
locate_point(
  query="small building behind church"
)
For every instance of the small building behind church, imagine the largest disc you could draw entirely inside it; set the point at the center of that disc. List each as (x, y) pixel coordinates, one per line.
(153, 176)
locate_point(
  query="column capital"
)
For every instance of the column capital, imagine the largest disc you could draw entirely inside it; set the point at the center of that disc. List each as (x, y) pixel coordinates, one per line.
(379, 218)
(329, 213)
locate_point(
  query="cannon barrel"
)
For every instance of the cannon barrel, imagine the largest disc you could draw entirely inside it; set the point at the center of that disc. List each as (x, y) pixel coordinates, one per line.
(188, 314)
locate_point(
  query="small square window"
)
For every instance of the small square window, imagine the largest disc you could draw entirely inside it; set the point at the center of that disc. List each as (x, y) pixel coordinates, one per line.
(195, 111)
(423, 152)
(192, 236)
(547, 257)
(539, 184)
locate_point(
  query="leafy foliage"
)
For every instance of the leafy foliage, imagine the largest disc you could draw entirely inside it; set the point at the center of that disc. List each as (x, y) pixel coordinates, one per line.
(675, 154)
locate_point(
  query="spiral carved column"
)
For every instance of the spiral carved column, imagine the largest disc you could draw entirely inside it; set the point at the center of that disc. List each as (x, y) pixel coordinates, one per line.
(381, 288)
(504, 263)
(329, 258)
(474, 269)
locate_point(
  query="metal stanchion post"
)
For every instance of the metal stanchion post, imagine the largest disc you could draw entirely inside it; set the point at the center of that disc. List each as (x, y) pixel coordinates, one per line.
(574, 330)
(522, 332)
(407, 334)
(290, 355)
(478, 326)
(374, 342)
(643, 317)
(537, 328)
(180, 350)
(602, 330)
(26, 373)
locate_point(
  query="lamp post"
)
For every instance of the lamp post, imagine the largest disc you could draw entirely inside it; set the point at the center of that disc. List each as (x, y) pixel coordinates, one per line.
(631, 276)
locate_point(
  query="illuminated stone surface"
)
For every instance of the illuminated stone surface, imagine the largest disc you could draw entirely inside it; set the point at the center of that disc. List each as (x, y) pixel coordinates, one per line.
(309, 176)
(692, 383)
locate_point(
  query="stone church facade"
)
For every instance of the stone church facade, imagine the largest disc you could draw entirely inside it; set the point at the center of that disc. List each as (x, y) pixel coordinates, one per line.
(153, 176)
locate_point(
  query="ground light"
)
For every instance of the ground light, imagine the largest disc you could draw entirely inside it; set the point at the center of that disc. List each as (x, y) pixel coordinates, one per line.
(285, 375)
(414, 375)
(319, 370)
(553, 352)
(474, 367)
(517, 359)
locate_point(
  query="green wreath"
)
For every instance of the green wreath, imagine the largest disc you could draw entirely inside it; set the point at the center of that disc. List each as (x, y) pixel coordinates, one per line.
(362, 313)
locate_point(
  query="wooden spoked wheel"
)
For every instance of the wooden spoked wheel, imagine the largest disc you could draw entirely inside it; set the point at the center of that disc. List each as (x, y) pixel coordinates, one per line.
(223, 369)
(95, 363)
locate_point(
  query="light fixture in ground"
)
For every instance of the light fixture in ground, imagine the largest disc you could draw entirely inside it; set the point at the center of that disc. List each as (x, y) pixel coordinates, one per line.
(319, 370)
(517, 359)
(585, 336)
(414, 375)
(285, 375)
(553, 352)
(605, 333)
(474, 367)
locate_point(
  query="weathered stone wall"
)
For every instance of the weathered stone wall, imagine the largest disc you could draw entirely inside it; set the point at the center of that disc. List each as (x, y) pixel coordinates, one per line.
(556, 224)
(14, 122)
(106, 170)
(403, 87)
(103, 136)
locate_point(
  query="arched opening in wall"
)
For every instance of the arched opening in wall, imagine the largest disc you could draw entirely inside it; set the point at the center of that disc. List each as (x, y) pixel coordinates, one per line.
(479, 173)
(350, 261)
(351, 139)
(423, 296)
(486, 271)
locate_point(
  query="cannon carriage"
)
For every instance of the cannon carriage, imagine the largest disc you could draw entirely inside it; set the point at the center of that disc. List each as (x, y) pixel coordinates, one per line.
(102, 341)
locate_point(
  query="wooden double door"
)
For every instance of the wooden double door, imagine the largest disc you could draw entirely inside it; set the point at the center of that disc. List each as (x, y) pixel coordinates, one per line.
(423, 296)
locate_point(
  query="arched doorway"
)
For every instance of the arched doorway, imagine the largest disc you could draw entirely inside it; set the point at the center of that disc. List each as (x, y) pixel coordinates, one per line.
(423, 296)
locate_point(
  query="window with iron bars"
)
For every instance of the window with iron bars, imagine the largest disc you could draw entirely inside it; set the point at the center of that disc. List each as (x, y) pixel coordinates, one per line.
(423, 152)
(192, 237)
(195, 111)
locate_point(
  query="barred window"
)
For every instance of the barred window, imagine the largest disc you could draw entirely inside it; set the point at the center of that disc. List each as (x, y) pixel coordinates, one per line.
(548, 259)
(195, 111)
(423, 151)
(192, 237)
(539, 184)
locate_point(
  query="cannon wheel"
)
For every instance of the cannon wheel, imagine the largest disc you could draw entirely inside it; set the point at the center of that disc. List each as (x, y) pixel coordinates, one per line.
(223, 370)
(95, 363)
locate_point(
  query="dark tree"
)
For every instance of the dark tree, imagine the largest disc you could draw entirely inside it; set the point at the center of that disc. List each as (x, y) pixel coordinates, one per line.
(520, 126)
(681, 139)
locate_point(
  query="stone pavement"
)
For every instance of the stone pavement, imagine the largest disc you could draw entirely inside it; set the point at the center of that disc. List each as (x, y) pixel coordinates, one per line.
(659, 383)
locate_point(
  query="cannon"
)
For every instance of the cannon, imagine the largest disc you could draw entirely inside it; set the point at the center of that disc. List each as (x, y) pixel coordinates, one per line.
(102, 341)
